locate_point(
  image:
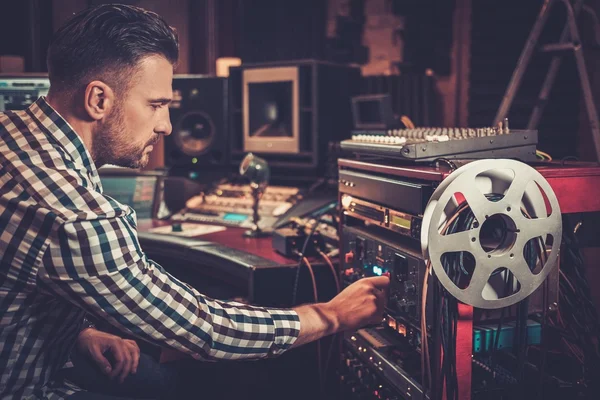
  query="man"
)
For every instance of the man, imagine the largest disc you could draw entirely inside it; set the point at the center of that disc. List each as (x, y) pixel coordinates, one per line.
(67, 250)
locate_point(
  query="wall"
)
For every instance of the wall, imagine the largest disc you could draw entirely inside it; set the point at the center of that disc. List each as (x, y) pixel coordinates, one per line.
(386, 48)
(379, 35)
(175, 12)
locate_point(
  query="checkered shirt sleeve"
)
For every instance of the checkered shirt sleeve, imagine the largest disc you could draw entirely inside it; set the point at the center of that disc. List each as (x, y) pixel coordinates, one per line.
(99, 266)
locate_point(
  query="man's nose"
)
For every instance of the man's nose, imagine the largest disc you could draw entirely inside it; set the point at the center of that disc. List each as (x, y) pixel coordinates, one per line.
(164, 127)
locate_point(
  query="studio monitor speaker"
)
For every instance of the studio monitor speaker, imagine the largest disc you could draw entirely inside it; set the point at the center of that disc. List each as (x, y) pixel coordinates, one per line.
(199, 115)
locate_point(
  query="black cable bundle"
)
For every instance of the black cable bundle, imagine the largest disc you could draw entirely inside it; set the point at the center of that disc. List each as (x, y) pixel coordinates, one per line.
(457, 268)
(577, 320)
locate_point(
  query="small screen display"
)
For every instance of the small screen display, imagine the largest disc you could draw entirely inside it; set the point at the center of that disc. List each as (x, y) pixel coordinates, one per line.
(18, 93)
(400, 221)
(234, 217)
(369, 112)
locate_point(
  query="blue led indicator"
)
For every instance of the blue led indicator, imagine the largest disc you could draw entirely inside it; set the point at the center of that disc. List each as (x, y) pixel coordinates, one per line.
(377, 270)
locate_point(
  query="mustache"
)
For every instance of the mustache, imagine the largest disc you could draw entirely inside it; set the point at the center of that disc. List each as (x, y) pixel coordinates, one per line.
(152, 141)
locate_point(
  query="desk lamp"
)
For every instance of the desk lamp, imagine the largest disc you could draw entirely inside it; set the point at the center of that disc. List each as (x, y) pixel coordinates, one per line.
(257, 171)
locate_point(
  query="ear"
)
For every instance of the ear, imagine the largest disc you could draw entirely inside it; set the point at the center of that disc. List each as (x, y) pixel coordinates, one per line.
(99, 100)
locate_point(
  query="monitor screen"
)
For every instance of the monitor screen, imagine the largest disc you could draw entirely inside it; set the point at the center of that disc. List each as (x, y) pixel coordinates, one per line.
(372, 112)
(18, 92)
(138, 192)
(271, 110)
(369, 112)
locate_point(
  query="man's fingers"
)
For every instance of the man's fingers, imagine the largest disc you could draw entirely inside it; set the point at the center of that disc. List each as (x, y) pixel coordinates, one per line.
(128, 364)
(120, 357)
(135, 354)
(381, 296)
(100, 360)
(380, 282)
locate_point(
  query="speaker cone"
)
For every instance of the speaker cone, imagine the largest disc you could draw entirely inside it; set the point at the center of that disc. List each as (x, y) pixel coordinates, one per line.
(194, 133)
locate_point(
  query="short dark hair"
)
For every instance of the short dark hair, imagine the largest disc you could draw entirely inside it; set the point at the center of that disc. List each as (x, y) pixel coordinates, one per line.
(105, 43)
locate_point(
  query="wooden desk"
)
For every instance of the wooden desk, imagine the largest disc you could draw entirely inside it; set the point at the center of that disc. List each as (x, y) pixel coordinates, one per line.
(233, 237)
(228, 265)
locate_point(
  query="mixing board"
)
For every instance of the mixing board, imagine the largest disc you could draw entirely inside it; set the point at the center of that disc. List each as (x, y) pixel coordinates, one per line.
(231, 205)
(428, 144)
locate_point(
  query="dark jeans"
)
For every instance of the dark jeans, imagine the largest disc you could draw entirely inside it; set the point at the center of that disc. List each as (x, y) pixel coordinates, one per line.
(151, 381)
(184, 379)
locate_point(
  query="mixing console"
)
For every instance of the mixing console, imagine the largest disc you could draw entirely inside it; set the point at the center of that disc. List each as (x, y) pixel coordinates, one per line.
(427, 144)
(231, 205)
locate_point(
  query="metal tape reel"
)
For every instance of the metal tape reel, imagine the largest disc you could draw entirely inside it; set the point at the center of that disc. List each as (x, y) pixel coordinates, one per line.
(522, 188)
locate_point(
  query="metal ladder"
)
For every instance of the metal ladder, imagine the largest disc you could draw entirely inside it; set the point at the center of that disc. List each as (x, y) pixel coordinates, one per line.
(569, 41)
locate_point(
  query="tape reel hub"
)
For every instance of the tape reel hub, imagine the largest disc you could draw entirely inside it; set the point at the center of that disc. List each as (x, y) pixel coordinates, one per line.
(498, 234)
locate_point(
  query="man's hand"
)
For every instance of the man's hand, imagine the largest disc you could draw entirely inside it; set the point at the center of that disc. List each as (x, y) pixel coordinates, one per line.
(360, 304)
(125, 353)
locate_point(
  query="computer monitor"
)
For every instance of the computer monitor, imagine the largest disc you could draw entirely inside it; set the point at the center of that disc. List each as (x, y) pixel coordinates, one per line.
(373, 112)
(140, 191)
(17, 92)
(271, 110)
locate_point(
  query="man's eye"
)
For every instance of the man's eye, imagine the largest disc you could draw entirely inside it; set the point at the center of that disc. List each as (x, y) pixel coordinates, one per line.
(156, 106)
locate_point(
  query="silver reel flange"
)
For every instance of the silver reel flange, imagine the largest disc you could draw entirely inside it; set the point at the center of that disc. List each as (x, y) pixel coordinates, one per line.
(525, 205)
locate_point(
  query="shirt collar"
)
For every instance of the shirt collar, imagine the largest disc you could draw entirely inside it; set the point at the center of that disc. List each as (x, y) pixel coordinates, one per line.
(56, 126)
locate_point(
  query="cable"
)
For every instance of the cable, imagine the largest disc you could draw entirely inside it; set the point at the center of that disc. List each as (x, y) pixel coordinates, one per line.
(333, 271)
(315, 185)
(407, 122)
(544, 155)
(449, 163)
(567, 158)
(296, 279)
(425, 362)
(544, 340)
(303, 258)
(580, 329)
(454, 265)
(316, 300)
(328, 359)
(425, 358)
(312, 278)
(462, 219)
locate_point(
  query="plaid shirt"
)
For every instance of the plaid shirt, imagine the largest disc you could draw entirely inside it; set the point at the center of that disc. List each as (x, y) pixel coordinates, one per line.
(66, 249)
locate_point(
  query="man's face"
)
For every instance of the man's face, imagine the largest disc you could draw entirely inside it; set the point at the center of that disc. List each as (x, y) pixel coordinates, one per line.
(138, 117)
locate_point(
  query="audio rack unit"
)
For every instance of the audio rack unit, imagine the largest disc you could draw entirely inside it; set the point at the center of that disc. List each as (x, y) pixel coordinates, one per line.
(384, 362)
(376, 365)
(366, 253)
(405, 224)
(387, 209)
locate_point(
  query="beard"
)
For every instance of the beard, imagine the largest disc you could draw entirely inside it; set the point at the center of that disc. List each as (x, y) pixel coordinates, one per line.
(112, 144)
